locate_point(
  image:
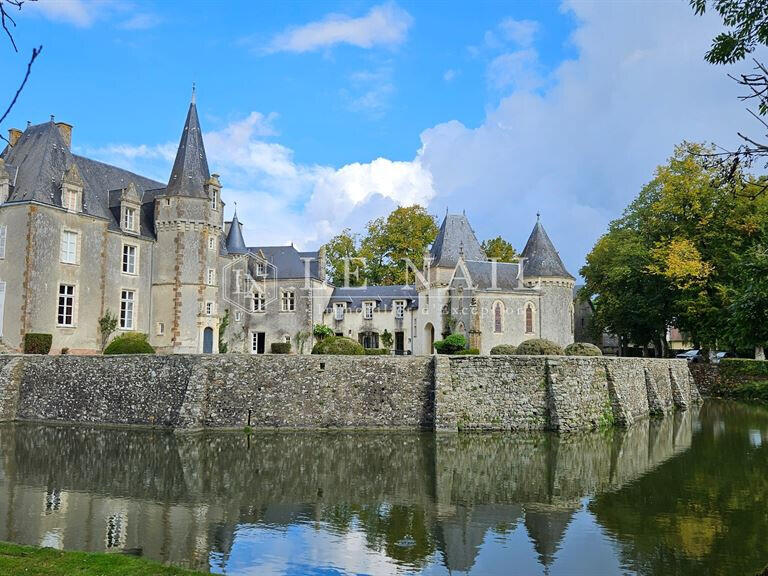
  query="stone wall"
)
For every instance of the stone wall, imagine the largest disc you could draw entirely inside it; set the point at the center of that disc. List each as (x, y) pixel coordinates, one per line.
(707, 378)
(442, 392)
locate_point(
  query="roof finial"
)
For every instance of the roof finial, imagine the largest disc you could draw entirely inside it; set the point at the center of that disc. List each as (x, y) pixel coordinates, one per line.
(538, 216)
(193, 92)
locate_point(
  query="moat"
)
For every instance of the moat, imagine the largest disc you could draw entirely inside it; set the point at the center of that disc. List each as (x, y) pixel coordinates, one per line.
(682, 495)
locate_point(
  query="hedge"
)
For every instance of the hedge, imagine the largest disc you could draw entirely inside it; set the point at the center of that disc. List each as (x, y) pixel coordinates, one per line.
(540, 347)
(504, 350)
(376, 352)
(468, 352)
(280, 347)
(582, 349)
(338, 345)
(36, 343)
(130, 343)
(452, 344)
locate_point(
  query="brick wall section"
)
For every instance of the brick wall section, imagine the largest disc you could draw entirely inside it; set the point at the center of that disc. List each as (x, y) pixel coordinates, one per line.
(443, 393)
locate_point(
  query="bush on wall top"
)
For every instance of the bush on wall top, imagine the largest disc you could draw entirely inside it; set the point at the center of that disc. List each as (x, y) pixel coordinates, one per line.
(539, 347)
(338, 345)
(35, 343)
(280, 347)
(504, 350)
(130, 343)
(453, 344)
(582, 349)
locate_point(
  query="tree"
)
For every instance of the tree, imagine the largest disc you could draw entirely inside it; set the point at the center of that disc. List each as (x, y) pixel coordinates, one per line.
(342, 266)
(7, 22)
(223, 325)
(499, 249)
(749, 302)
(403, 236)
(107, 325)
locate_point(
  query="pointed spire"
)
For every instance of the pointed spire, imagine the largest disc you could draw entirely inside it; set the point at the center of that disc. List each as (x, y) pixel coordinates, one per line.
(541, 257)
(192, 101)
(455, 239)
(190, 169)
(235, 242)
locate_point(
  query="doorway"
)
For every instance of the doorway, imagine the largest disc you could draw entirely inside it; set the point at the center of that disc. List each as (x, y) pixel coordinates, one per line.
(429, 338)
(399, 343)
(258, 342)
(208, 341)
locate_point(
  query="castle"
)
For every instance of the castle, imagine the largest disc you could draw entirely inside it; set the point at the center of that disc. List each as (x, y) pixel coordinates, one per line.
(79, 238)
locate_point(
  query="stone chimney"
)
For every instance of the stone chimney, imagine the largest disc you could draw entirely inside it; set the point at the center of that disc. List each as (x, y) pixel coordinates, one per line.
(13, 135)
(321, 261)
(66, 133)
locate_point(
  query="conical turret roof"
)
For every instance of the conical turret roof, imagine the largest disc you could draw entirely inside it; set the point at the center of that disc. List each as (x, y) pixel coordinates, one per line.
(190, 169)
(541, 257)
(455, 238)
(235, 242)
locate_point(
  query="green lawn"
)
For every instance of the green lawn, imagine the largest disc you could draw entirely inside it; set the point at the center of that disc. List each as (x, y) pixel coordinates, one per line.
(33, 561)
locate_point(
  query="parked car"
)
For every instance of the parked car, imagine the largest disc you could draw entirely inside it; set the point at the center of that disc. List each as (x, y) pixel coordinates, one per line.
(693, 356)
(720, 355)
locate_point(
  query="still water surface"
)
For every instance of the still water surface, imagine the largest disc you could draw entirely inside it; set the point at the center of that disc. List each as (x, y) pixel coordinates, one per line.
(683, 495)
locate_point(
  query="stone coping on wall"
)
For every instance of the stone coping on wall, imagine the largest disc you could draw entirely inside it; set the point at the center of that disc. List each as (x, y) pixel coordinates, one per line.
(446, 393)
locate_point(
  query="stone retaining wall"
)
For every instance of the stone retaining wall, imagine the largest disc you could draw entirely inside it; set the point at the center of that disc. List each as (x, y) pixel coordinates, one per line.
(442, 392)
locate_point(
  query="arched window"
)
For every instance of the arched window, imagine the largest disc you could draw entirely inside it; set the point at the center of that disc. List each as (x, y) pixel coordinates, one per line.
(529, 318)
(572, 312)
(498, 313)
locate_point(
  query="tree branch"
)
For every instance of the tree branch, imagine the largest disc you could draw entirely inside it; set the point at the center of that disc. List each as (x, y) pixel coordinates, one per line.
(35, 54)
(7, 20)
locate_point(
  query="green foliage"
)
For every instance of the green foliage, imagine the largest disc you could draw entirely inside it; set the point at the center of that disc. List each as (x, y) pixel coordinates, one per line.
(341, 253)
(301, 339)
(499, 249)
(732, 368)
(338, 345)
(452, 344)
(130, 343)
(36, 343)
(376, 352)
(504, 350)
(107, 325)
(321, 331)
(386, 339)
(582, 349)
(748, 326)
(223, 324)
(539, 347)
(280, 347)
(468, 352)
(16, 559)
(748, 21)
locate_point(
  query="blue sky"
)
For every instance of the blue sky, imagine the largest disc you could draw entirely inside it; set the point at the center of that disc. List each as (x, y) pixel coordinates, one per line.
(320, 116)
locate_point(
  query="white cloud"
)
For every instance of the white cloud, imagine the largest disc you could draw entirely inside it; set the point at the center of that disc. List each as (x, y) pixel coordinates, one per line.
(520, 32)
(450, 74)
(383, 25)
(370, 91)
(84, 13)
(141, 21)
(518, 70)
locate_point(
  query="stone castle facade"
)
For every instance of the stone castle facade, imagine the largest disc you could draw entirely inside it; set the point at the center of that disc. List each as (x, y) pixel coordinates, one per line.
(79, 238)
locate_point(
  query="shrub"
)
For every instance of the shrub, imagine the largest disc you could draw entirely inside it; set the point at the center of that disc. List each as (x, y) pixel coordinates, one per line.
(338, 345)
(64, 351)
(539, 347)
(376, 352)
(452, 344)
(321, 331)
(280, 347)
(504, 350)
(582, 349)
(468, 352)
(130, 343)
(35, 343)
(386, 339)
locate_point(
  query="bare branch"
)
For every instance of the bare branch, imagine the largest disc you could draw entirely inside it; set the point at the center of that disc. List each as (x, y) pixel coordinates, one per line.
(35, 54)
(6, 20)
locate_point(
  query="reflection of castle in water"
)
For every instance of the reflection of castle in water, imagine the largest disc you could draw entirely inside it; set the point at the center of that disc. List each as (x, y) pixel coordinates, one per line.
(180, 499)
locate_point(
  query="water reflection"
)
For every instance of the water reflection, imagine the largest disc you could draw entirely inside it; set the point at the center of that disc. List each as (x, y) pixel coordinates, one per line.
(376, 502)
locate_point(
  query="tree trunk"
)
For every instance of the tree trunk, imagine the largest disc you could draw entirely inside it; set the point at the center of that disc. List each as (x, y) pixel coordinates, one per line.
(759, 353)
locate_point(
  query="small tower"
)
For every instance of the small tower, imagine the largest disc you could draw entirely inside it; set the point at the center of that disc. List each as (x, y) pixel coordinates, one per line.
(543, 269)
(188, 224)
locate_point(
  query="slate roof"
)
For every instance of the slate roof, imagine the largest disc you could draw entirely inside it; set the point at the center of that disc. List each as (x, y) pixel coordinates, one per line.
(235, 242)
(384, 296)
(190, 169)
(481, 274)
(454, 238)
(541, 257)
(39, 160)
(288, 261)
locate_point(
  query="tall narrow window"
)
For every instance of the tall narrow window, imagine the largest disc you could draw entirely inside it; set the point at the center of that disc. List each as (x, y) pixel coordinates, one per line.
(573, 319)
(338, 311)
(210, 308)
(127, 300)
(129, 259)
(211, 277)
(258, 302)
(368, 310)
(498, 324)
(399, 309)
(529, 319)
(3, 234)
(129, 219)
(288, 301)
(69, 200)
(69, 247)
(211, 243)
(65, 313)
(214, 199)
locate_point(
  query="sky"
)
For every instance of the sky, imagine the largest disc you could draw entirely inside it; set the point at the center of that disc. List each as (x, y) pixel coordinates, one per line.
(324, 115)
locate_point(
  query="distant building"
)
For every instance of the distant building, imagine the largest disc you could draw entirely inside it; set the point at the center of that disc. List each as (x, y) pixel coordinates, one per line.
(79, 238)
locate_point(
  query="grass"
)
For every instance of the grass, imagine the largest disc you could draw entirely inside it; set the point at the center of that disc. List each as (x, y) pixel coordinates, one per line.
(15, 559)
(756, 390)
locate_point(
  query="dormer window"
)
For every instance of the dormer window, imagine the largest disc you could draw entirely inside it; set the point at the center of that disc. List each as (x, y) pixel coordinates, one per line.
(338, 311)
(130, 219)
(399, 309)
(214, 199)
(70, 200)
(368, 310)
